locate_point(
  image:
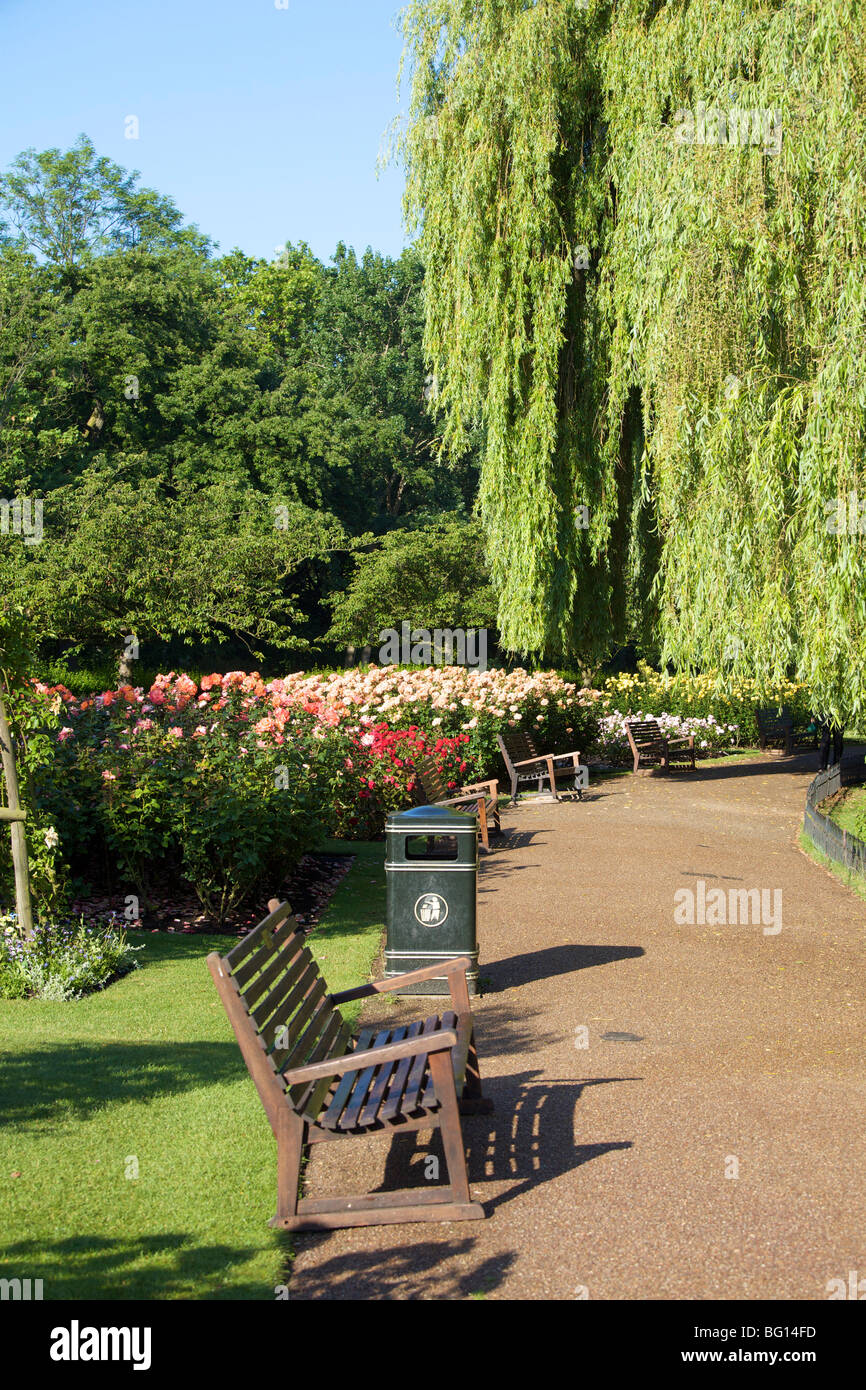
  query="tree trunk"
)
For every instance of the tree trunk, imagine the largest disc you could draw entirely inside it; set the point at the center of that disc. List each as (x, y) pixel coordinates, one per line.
(19, 838)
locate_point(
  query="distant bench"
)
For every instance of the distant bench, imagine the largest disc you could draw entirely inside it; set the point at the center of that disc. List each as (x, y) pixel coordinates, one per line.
(653, 748)
(784, 732)
(480, 797)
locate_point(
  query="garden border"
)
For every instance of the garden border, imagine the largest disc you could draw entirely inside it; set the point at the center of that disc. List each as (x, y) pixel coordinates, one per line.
(828, 837)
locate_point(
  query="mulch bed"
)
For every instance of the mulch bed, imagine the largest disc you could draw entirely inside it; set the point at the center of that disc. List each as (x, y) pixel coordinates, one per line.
(309, 889)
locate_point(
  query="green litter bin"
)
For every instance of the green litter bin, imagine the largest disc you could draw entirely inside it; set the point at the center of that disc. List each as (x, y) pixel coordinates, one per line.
(431, 873)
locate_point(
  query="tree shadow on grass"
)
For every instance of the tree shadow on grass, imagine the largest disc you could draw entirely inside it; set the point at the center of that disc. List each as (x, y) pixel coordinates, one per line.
(73, 1080)
(147, 1267)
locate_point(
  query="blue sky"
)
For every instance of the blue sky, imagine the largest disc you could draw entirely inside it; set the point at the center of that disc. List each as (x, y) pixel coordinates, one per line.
(263, 124)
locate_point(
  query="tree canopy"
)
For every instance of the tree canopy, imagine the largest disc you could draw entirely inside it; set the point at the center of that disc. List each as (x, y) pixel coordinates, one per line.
(643, 228)
(165, 404)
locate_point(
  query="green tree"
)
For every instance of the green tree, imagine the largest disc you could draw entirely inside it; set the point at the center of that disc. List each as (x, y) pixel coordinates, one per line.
(432, 577)
(643, 227)
(68, 206)
(122, 562)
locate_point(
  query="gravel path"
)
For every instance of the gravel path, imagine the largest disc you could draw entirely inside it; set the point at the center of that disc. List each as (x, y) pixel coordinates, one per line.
(608, 1170)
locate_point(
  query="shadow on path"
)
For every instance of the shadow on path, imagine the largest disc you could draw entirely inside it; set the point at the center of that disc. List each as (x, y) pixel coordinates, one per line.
(551, 961)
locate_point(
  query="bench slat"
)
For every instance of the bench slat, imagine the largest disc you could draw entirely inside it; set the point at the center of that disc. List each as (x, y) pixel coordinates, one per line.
(294, 1026)
(264, 954)
(307, 1038)
(283, 962)
(391, 1106)
(286, 995)
(254, 939)
(337, 1103)
(363, 1079)
(287, 1010)
(430, 1098)
(309, 1097)
(418, 1072)
(370, 1111)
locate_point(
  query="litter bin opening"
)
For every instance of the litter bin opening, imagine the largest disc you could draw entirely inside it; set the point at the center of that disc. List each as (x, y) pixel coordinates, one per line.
(431, 847)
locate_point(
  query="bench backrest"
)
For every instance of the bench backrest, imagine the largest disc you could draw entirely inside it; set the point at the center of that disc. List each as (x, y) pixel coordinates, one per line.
(643, 730)
(432, 781)
(772, 721)
(516, 746)
(280, 1009)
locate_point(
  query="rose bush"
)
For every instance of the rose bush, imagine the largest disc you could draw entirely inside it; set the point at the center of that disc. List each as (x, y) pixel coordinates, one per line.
(227, 782)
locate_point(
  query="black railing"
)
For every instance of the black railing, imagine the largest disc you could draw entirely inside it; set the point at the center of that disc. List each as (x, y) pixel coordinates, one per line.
(839, 845)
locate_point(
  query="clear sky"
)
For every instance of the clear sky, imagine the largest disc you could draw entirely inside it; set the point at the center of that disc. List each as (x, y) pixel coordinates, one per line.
(263, 124)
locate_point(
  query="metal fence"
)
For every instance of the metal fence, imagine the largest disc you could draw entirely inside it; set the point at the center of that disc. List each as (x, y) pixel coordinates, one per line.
(838, 844)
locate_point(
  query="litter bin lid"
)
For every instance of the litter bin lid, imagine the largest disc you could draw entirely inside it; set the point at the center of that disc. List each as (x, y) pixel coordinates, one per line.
(433, 820)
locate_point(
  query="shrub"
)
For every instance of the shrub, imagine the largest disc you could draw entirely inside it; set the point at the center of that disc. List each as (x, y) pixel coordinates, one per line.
(699, 697)
(62, 960)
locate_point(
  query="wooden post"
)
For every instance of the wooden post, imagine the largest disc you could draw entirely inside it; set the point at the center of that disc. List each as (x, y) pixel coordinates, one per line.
(16, 819)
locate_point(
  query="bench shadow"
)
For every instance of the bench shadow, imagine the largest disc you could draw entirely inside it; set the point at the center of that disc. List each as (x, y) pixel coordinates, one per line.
(527, 1141)
(769, 767)
(71, 1081)
(552, 960)
(424, 1269)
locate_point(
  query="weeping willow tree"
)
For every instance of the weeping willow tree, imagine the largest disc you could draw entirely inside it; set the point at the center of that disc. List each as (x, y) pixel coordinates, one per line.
(644, 228)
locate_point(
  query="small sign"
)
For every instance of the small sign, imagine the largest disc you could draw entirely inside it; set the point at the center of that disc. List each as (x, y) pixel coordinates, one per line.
(431, 910)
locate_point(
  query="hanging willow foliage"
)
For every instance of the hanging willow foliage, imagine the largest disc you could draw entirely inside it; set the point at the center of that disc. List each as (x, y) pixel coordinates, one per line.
(644, 228)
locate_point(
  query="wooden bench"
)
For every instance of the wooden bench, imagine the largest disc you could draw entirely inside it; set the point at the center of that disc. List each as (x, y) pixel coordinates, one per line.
(318, 1085)
(783, 732)
(480, 797)
(524, 764)
(650, 746)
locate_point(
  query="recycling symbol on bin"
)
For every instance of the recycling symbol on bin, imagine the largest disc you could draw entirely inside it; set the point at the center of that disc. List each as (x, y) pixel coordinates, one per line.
(430, 909)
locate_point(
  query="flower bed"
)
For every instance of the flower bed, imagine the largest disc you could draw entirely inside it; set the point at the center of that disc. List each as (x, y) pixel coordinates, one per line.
(710, 736)
(63, 960)
(654, 694)
(226, 783)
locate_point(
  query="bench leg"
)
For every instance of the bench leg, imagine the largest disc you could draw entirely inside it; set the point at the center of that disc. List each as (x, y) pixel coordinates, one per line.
(290, 1145)
(442, 1074)
(482, 824)
(473, 1101)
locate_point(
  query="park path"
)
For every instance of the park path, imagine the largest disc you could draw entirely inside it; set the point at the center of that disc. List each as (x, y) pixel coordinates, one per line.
(604, 1169)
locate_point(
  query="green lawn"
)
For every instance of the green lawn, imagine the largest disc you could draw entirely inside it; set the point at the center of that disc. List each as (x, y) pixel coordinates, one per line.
(148, 1072)
(848, 812)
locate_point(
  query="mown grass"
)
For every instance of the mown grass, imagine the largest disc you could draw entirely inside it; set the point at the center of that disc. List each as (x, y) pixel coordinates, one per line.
(146, 1077)
(855, 882)
(849, 810)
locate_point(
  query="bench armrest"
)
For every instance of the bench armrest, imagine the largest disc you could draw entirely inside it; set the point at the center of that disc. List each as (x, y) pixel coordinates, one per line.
(459, 965)
(530, 762)
(492, 787)
(673, 742)
(461, 800)
(373, 1056)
